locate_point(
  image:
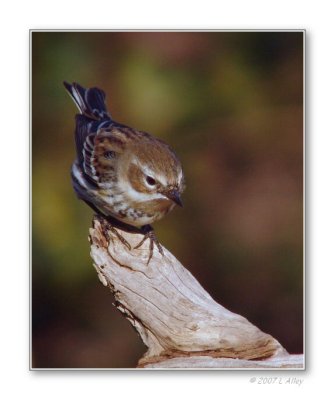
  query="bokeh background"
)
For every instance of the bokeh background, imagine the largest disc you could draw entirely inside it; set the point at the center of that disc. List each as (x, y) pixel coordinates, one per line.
(231, 105)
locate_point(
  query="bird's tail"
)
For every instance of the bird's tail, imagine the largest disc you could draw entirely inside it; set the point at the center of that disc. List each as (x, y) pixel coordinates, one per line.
(90, 102)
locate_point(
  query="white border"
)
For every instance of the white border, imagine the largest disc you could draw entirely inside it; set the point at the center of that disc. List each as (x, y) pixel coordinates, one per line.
(17, 19)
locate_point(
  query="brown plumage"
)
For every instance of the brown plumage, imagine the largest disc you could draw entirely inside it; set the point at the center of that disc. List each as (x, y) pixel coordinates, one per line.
(121, 172)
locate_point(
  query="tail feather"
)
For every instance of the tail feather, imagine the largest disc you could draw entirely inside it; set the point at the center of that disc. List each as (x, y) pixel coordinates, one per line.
(90, 102)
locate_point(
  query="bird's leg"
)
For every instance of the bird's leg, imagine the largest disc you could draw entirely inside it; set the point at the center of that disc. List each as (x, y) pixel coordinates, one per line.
(107, 226)
(149, 233)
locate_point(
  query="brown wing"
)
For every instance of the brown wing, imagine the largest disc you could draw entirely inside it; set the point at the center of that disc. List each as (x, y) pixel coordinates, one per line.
(100, 155)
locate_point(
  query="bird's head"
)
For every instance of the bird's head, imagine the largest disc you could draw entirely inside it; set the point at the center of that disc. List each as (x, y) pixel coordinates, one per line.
(153, 174)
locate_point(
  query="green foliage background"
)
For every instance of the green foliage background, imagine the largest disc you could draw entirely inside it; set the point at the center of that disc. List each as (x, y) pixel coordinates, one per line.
(231, 105)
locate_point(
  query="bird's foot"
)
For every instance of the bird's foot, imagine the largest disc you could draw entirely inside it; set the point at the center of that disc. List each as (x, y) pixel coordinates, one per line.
(149, 233)
(107, 227)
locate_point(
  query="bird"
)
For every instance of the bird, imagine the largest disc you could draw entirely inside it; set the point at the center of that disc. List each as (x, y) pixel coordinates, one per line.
(129, 177)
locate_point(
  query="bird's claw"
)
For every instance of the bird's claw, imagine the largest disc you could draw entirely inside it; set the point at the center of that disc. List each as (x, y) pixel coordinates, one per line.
(107, 227)
(150, 234)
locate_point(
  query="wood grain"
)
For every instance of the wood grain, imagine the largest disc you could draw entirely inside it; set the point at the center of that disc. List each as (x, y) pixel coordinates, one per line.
(179, 322)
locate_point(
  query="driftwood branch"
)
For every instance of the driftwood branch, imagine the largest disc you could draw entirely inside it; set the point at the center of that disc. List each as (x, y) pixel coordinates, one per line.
(179, 322)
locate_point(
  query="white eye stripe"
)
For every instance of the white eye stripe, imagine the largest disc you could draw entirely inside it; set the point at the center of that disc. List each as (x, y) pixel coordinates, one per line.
(149, 173)
(126, 188)
(157, 177)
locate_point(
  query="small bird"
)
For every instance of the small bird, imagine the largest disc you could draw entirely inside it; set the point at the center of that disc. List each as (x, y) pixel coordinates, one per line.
(123, 174)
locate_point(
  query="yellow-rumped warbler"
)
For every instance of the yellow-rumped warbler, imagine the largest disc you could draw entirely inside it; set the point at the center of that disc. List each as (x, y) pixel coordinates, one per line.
(120, 172)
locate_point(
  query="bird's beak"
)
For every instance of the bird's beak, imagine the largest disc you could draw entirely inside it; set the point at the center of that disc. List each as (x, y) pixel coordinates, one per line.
(174, 195)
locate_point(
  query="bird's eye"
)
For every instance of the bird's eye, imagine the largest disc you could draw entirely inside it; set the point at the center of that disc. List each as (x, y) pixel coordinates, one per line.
(109, 154)
(150, 181)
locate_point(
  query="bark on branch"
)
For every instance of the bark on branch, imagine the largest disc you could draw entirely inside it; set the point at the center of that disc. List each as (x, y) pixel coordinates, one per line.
(179, 322)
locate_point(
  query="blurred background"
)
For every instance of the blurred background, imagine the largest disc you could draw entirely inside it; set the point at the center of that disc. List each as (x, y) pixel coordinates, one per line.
(231, 105)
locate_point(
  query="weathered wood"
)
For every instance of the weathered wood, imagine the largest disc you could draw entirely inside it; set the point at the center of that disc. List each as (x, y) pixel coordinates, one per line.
(175, 317)
(287, 362)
